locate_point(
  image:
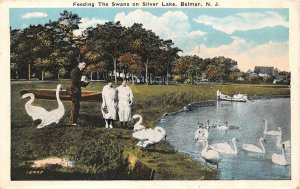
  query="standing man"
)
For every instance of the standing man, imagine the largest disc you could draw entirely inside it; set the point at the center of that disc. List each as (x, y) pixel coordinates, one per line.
(125, 98)
(74, 89)
(109, 104)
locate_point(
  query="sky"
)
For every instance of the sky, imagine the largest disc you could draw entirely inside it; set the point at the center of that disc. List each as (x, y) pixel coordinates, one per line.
(252, 37)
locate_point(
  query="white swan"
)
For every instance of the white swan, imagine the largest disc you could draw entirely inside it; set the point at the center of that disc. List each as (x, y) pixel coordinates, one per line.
(210, 155)
(137, 126)
(222, 127)
(149, 137)
(226, 148)
(35, 112)
(266, 132)
(253, 148)
(47, 118)
(279, 159)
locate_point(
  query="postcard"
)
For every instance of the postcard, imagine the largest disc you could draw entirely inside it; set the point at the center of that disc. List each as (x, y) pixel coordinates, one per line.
(143, 94)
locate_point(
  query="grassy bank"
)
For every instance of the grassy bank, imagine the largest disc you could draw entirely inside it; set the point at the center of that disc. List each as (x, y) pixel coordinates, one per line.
(97, 151)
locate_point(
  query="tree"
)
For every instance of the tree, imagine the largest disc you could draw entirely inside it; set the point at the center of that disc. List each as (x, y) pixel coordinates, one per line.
(212, 72)
(144, 43)
(108, 40)
(267, 78)
(131, 63)
(166, 58)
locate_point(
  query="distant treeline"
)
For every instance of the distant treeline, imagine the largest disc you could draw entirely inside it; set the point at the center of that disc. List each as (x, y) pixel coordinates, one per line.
(51, 50)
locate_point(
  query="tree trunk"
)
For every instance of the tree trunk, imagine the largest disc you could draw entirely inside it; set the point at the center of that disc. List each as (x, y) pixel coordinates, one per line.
(115, 68)
(29, 72)
(91, 76)
(146, 76)
(132, 78)
(42, 75)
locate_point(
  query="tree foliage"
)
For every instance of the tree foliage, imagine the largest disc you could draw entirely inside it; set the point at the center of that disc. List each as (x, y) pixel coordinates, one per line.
(108, 48)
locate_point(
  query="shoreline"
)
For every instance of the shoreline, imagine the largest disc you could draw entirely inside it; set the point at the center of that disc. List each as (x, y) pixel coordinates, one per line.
(208, 103)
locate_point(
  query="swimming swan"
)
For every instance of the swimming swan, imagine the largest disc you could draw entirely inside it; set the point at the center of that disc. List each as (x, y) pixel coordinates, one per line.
(137, 126)
(226, 126)
(253, 148)
(226, 148)
(210, 155)
(47, 118)
(279, 158)
(266, 132)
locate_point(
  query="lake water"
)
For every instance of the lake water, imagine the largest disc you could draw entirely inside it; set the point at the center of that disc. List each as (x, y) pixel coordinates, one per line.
(249, 116)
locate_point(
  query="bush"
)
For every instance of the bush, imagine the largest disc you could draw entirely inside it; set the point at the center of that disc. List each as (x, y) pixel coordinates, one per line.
(48, 75)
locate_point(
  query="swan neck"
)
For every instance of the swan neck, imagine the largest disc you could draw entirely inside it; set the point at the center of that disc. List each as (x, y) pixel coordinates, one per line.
(205, 145)
(234, 145)
(262, 146)
(278, 141)
(282, 151)
(266, 125)
(29, 102)
(140, 120)
(57, 97)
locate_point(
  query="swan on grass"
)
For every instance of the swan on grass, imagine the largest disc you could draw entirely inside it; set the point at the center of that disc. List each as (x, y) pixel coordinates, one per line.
(255, 149)
(149, 137)
(279, 159)
(266, 132)
(209, 155)
(46, 117)
(226, 148)
(137, 126)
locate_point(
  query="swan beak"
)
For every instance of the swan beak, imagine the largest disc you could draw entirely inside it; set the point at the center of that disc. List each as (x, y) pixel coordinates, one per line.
(166, 137)
(265, 140)
(237, 140)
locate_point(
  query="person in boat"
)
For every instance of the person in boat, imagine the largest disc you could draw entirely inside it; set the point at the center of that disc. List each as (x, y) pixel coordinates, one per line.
(125, 100)
(74, 90)
(109, 104)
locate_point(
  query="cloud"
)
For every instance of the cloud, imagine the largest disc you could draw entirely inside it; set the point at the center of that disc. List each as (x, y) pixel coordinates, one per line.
(88, 22)
(34, 15)
(171, 25)
(244, 21)
(248, 55)
(195, 34)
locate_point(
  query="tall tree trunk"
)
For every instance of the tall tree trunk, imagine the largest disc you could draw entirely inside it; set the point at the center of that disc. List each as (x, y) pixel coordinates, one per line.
(42, 75)
(91, 75)
(146, 76)
(29, 72)
(115, 68)
(132, 78)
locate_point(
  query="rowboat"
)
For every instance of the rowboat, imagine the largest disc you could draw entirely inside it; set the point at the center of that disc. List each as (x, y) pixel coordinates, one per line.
(49, 94)
(236, 97)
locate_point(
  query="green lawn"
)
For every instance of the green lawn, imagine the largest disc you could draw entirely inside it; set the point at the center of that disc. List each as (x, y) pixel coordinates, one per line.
(100, 153)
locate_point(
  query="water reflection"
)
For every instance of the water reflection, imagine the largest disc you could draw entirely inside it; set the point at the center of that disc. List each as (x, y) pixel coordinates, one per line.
(249, 117)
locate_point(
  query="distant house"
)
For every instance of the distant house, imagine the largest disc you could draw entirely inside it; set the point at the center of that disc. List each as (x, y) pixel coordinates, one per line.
(261, 70)
(240, 79)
